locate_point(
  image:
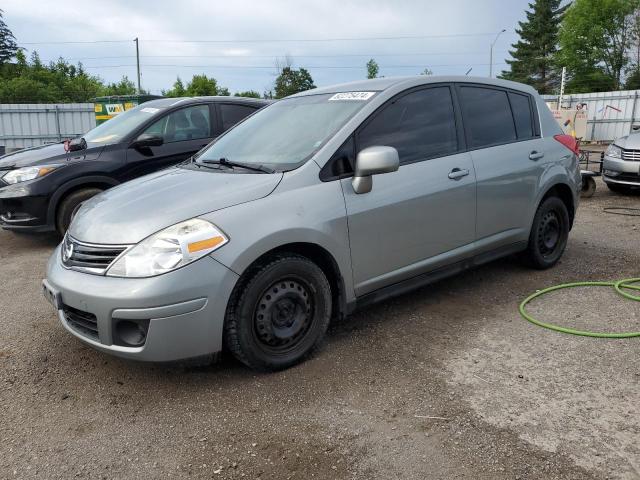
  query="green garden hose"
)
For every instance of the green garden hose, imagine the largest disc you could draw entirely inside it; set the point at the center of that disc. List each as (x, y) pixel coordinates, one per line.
(619, 287)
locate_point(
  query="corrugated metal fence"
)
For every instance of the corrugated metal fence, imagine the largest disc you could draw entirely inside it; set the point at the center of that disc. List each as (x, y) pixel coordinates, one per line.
(27, 125)
(610, 114)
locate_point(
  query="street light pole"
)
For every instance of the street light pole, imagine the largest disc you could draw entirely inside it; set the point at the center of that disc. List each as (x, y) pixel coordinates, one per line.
(491, 52)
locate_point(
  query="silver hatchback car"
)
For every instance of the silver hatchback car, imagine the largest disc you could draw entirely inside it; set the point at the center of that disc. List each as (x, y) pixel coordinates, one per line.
(312, 207)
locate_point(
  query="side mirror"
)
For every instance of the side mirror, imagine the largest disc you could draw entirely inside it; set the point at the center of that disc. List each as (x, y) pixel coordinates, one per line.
(146, 140)
(373, 161)
(76, 144)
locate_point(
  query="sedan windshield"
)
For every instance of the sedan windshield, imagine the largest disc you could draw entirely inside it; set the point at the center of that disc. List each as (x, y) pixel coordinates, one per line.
(114, 130)
(287, 133)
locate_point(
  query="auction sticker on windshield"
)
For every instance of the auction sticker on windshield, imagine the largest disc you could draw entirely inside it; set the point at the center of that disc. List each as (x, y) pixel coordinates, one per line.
(353, 96)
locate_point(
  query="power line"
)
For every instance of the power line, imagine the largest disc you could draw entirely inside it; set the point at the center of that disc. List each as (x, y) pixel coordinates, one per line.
(272, 67)
(339, 55)
(75, 41)
(268, 40)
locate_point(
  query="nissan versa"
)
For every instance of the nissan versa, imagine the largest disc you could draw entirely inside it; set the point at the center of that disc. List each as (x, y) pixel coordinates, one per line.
(316, 205)
(42, 187)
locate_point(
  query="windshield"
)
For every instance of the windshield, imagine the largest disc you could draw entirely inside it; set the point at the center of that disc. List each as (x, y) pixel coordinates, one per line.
(285, 134)
(115, 129)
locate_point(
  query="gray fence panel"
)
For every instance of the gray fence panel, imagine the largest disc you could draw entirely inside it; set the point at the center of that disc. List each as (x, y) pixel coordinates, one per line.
(28, 125)
(610, 114)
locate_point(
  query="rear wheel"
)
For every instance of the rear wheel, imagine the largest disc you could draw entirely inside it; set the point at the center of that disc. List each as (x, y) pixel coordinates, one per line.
(70, 206)
(278, 313)
(549, 234)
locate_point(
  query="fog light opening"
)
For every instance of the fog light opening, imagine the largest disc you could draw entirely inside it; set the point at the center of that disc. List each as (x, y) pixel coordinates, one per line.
(131, 334)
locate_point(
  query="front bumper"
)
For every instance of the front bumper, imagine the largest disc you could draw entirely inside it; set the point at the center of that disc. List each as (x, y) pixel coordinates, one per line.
(184, 309)
(621, 172)
(23, 209)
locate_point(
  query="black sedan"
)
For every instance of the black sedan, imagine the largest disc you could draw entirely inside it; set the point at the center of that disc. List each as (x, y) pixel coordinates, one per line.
(42, 187)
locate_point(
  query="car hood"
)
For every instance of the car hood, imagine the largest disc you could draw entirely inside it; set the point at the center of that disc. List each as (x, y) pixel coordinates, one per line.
(131, 212)
(630, 142)
(45, 154)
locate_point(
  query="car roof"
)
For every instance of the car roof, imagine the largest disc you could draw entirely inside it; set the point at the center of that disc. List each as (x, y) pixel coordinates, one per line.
(170, 102)
(381, 84)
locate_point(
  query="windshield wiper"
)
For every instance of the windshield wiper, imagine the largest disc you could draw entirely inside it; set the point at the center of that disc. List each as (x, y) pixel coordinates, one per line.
(228, 163)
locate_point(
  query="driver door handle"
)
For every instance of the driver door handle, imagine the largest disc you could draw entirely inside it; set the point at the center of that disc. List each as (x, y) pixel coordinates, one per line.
(535, 155)
(457, 173)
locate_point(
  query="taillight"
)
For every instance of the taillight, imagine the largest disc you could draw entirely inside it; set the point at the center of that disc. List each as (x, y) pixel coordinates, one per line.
(570, 142)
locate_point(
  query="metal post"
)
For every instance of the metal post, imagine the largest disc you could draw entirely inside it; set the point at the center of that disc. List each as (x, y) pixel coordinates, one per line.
(491, 52)
(633, 110)
(58, 131)
(138, 63)
(562, 79)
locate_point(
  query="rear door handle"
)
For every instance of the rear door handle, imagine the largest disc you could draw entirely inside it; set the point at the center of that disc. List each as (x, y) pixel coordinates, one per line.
(457, 173)
(535, 155)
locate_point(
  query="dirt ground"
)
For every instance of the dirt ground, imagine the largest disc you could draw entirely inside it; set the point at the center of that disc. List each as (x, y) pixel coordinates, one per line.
(445, 382)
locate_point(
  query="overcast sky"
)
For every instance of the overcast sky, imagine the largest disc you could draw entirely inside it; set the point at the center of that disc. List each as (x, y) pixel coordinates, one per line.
(456, 35)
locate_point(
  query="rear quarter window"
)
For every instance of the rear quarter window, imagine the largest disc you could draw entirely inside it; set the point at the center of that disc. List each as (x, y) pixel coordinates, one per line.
(232, 114)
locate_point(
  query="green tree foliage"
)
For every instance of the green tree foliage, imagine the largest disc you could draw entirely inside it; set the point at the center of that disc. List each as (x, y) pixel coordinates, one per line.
(177, 90)
(248, 93)
(199, 86)
(30, 81)
(292, 81)
(533, 54)
(427, 72)
(8, 45)
(594, 38)
(123, 87)
(372, 69)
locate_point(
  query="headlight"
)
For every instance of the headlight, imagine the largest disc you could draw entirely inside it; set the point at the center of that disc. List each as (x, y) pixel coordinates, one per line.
(613, 151)
(169, 249)
(27, 173)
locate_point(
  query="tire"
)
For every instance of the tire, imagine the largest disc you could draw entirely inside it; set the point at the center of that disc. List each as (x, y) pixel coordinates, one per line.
(278, 313)
(70, 205)
(588, 187)
(549, 234)
(614, 187)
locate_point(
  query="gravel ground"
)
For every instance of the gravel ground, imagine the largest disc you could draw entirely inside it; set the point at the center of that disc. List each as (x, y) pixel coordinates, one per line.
(445, 382)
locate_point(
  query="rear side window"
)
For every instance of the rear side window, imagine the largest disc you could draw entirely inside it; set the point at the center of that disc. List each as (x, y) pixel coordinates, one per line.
(232, 114)
(487, 116)
(419, 125)
(522, 114)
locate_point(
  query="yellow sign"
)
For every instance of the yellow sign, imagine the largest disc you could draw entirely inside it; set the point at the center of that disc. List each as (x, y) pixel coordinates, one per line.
(98, 107)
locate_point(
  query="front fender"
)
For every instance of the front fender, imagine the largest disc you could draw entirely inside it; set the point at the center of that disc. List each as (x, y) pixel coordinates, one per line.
(313, 214)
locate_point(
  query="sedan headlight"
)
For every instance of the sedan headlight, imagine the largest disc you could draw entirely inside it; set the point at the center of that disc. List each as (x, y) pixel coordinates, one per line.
(613, 151)
(169, 249)
(28, 173)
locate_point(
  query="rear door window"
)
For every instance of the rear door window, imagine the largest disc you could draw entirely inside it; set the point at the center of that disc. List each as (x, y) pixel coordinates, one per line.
(420, 125)
(487, 116)
(522, 115)
(189, 123)
(232, 114)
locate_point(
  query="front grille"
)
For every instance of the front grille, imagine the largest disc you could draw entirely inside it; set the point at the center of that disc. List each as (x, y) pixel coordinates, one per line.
(83, 322)
(87, 257)
(631, 155)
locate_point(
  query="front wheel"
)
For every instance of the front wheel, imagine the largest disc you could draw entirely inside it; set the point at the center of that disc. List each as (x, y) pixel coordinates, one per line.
(278, 313)
(70, 206)
(549, 234)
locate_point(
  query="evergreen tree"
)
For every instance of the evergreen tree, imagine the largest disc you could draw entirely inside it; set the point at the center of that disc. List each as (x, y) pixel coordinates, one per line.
(372, 69)
(533, 55)
(8, 45)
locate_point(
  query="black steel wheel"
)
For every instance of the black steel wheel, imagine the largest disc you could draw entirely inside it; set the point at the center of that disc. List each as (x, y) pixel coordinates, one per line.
(549, 234)
(278, 313)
